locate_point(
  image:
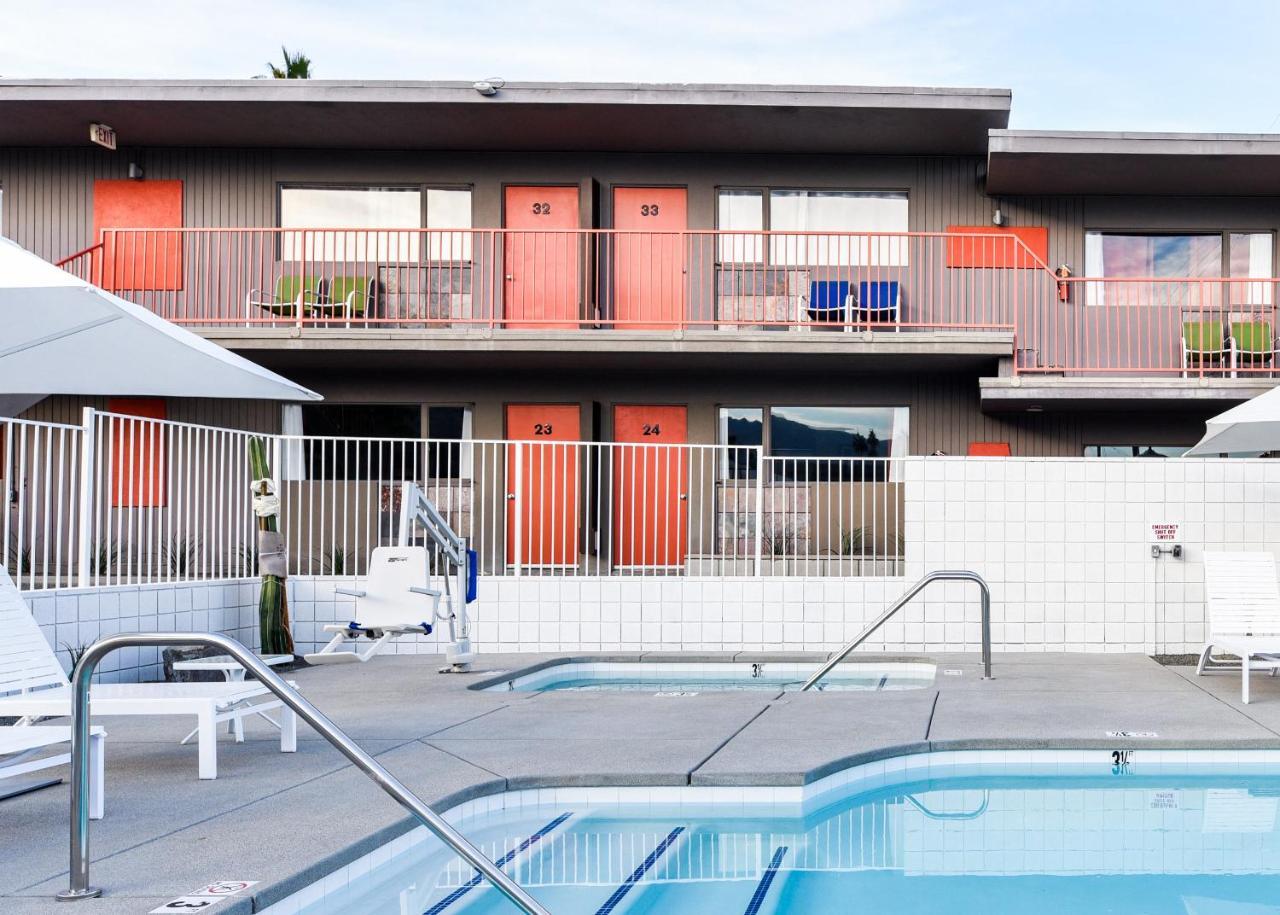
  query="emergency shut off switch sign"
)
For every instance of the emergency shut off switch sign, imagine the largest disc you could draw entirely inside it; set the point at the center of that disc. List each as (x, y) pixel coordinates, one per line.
(1165, 538)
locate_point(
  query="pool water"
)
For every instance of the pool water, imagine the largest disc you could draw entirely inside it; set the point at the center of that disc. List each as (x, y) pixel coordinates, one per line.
(1107, 840)
(690, 677)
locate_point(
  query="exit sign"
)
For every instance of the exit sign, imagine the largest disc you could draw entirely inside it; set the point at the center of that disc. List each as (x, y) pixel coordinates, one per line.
(102, 135)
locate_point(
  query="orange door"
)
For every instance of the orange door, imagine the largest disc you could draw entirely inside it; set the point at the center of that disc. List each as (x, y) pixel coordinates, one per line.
(649, 257)
(542, 267)
(651, 486)
(139, 260)
(543, 501)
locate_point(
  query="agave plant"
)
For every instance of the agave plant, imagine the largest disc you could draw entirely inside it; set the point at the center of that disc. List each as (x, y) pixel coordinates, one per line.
(781, 541)
(179, 556)
(20, 561)
(103, 557)
(75, 652)
(296, 66)
(334, 562)
(852, 542)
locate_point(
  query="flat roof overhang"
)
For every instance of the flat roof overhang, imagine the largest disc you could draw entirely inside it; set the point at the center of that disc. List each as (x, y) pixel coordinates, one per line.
(521, 116)
(1047, 394)
(1184, 164)
(613, 350)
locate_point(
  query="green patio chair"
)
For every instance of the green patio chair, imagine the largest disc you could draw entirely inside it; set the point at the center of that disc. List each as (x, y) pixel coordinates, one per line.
(345, 297)
(290, 292)
(1252, 342)
(1203, 343)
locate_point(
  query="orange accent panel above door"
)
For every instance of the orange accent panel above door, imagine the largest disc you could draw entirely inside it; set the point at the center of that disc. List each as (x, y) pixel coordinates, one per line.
(998, 253)
(541, 282)
(139, 260)
(649, 263)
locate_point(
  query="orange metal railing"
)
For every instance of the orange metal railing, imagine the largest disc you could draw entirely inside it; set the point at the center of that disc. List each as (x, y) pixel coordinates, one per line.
(1192, 327)
(605, 279)
(571, 279)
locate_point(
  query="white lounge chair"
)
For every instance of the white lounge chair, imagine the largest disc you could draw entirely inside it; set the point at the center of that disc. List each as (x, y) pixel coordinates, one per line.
(1242, 597)
(20, 755)
(37, 687)
(394, 602)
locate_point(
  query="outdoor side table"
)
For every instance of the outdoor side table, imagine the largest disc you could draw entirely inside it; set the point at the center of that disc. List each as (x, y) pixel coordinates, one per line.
(232, 671)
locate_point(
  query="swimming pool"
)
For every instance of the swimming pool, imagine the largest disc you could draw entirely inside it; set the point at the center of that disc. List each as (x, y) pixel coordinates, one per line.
(1192, 833)
(694, 677)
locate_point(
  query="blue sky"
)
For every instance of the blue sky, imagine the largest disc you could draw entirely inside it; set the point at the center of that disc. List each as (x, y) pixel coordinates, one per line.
(1072, 64)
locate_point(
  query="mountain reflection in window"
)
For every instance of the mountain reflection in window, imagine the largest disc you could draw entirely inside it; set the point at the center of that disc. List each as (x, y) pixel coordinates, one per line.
(830, 432)
(741, 428)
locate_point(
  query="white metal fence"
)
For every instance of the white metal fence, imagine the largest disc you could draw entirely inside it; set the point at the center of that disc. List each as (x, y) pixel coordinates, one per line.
(41, 476)
(129, 500)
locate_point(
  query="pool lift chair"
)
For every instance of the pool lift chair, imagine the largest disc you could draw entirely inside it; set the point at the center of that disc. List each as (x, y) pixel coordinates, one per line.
(397, 595)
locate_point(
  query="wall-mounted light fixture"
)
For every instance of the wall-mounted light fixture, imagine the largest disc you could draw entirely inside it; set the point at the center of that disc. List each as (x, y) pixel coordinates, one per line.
(136, 172)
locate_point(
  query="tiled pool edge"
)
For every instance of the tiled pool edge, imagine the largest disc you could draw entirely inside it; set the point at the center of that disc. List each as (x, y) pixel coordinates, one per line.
(869, 770)
(653, 660)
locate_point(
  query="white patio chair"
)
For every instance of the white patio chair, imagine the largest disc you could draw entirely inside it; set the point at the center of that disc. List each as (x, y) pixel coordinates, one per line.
(20, 748)
(34, 686)
(1242, 597)
(395, 602)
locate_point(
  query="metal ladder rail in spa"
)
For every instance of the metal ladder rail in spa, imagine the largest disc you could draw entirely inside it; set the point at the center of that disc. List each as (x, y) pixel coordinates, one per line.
(945, 575)
(80, 710)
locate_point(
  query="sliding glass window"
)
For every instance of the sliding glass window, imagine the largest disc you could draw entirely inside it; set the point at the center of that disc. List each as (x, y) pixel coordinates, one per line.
(1169, 269)
(318, 214)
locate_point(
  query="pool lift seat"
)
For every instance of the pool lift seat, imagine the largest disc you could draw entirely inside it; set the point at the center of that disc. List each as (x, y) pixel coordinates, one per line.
(391, 605)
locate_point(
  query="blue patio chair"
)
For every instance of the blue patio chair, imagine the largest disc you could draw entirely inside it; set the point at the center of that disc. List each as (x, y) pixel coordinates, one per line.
(827, 301)
(877, 301)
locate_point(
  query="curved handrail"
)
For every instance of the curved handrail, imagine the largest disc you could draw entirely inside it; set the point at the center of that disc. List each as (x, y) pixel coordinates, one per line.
(951, 575)
(948, 815)
(80, 706)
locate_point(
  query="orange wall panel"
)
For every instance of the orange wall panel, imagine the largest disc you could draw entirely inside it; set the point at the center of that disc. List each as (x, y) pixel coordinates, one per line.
(137, 261)
(137, 453)
(998, 253)
(989, 449)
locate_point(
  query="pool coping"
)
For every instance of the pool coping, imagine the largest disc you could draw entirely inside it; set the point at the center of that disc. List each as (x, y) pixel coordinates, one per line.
(453, 805)
(691, 658)
(1034, 696)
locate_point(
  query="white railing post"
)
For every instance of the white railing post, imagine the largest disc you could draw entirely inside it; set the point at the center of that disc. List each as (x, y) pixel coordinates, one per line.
(760, 466)
(84, 515)
(517, 499)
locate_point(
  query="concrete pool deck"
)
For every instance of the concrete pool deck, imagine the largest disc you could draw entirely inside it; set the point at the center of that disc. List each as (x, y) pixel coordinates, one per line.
(287, 819)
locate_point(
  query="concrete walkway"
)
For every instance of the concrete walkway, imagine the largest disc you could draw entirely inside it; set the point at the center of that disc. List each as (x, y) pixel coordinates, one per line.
(285, 820)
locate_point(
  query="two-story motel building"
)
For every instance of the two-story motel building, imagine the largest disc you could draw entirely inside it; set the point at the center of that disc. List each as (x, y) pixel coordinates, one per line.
(818, 270)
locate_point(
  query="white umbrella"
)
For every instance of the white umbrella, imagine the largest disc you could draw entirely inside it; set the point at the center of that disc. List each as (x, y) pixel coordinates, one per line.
(62, 335)
(1252, 427)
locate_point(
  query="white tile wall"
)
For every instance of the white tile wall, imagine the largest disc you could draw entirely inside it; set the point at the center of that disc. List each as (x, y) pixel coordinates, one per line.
(75, 617)
(1062, 542)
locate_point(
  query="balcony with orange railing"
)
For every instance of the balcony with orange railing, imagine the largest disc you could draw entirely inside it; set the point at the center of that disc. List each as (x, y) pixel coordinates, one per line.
(601, 280)
(571, 280)
(1153, 326)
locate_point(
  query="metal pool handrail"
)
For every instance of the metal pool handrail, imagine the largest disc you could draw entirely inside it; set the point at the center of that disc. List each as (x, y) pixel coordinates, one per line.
(953, 575)
(80, 709)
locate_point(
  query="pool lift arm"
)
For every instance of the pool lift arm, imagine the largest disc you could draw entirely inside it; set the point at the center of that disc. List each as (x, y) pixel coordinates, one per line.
(445, 548)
